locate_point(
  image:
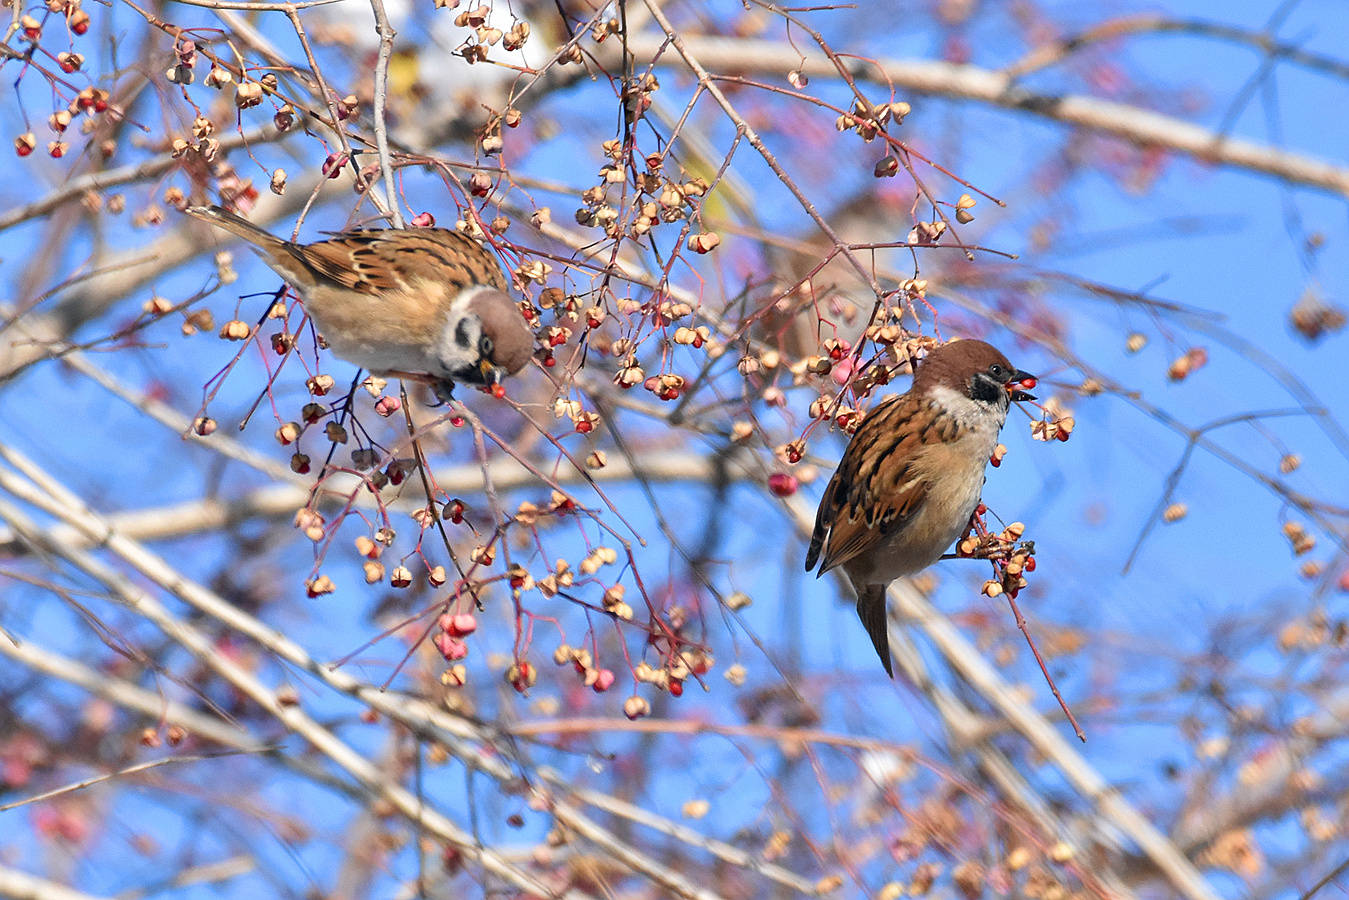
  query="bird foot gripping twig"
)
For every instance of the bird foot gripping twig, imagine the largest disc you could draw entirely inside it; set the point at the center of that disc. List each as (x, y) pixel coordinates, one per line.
(1012, 560)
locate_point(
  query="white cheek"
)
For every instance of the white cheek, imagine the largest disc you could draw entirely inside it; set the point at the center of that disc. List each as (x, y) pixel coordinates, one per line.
(454, 356)
(970, 413)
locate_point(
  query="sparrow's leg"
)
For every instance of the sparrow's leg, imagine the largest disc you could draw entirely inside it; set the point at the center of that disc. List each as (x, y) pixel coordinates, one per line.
(977, 524)
(444, 391)
(976, 527)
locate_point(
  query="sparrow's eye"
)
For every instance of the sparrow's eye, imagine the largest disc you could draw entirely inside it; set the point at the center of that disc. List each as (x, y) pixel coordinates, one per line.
(485, 346)
(998, 372)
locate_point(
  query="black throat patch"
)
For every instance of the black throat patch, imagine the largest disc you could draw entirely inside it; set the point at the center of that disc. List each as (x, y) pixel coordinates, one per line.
(985, 389)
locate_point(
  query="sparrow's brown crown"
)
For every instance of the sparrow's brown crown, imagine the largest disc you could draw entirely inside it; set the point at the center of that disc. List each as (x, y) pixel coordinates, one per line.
(954, 364)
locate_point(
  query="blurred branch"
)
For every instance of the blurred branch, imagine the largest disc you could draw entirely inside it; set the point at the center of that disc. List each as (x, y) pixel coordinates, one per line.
(72, 190)
(1271, 786)
(967, 730)
(46, 494)
(17, 885)
(964, 82)
(1106, 801)
(1056, 51)
(68, 506)
(281, 501)
(108, 776)
(911, 607)
(1325, 881)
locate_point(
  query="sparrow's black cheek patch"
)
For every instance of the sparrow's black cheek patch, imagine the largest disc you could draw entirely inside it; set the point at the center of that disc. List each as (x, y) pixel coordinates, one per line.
(461, 335)
(985, 389)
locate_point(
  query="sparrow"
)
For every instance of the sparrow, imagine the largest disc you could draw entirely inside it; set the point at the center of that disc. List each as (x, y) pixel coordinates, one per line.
(421, 303)
(911, 477)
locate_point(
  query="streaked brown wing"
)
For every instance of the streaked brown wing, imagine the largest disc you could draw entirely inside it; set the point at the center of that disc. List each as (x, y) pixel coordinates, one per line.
(874, 491)
(370, 262)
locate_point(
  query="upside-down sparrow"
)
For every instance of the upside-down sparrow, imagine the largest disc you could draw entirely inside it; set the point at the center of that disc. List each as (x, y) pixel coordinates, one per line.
(425, 303)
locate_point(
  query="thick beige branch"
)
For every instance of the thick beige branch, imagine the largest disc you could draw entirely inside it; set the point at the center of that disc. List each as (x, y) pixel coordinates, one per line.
(963, 82)
(281, 501)
(16, 885)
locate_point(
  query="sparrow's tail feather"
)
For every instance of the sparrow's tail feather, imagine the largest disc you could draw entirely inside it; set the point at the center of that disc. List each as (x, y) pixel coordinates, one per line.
(240, 227)
(871, 610)
(285, 258)
(816, 543)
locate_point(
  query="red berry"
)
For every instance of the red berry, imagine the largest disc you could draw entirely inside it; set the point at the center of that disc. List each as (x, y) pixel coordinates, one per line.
(423, 220)
(782, 484)
(584, 427)
(842, 372)
(450, 647)
(676, 687)
(1030, 565)
(499, 391)
(604, 680)
(1028, 383)
(332, 166)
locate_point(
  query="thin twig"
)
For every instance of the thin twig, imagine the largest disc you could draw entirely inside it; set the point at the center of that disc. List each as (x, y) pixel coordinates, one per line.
(386, 36)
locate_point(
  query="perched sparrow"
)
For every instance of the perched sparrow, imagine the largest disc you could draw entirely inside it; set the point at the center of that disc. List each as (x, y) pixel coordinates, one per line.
(911, 477)
(424, 303)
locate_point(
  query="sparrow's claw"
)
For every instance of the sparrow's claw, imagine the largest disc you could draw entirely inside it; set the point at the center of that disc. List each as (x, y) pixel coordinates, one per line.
(444, 391)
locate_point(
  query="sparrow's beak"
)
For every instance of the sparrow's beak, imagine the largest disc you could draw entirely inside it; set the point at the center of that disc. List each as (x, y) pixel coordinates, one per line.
(491, 374)
(1016, 382)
